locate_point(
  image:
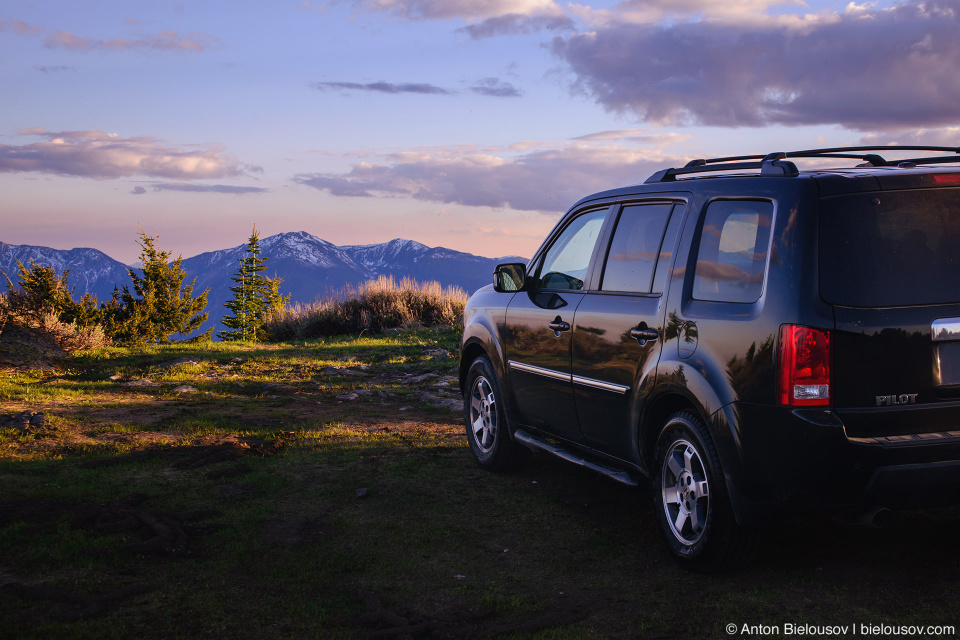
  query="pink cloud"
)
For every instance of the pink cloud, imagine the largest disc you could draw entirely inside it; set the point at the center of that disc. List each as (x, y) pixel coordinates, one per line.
(95, 154)
(194, 42)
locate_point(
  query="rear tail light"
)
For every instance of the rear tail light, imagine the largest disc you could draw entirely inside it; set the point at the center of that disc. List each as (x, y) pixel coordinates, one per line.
(946, 178)
(805, 362)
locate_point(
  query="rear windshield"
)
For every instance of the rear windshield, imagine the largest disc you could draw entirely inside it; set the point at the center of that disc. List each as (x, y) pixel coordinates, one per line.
(893, 248)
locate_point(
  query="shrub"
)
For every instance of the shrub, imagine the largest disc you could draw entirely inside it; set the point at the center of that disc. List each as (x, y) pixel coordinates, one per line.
(71, 336)
(375, 306)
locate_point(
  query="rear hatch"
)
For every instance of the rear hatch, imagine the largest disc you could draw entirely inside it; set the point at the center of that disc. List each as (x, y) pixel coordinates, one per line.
(890, 266)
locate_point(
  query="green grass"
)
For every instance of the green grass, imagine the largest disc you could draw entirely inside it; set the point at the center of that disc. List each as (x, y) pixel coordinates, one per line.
(284, 547)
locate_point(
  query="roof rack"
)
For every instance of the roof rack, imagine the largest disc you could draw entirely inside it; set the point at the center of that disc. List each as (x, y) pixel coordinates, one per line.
(775, 164)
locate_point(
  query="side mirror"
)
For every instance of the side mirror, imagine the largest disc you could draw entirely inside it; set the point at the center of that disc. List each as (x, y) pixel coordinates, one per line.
(511, 277)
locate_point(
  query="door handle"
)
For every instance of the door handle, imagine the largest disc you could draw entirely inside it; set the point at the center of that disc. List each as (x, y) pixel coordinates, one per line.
(558, 326)
(643, 335)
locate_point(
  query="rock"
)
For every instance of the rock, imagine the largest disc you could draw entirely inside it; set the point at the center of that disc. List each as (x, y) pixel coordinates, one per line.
(180, 362)
(236, 360)
(361, 492)
(142, 382)
(24, 420)
(115, 377)
(422, 377)
(439, 354)
(347, 396)
(185, 388)
(334, 371)
(363, 392)
(453, 404)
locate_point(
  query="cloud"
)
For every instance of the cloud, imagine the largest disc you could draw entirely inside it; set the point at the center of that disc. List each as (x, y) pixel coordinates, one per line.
(20, 27)
(463, 9)
(635, 136)
(513, 24)
(95, 154)
(649, 11)
(494, 87)
(193, 42)
(547, 180)
(866, 69)
(383, 87)
(938, 137)
(205, 188)
(53, 69)
(138, 191)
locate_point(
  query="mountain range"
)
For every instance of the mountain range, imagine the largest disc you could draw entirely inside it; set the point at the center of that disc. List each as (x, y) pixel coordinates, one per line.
(310, 267)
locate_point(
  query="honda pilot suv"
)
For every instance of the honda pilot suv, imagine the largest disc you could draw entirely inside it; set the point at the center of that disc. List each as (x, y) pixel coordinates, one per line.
(750, 337)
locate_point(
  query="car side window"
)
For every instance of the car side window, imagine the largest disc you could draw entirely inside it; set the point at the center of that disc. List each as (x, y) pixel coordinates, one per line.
(734, 241)
(567, 260)
(635, 248)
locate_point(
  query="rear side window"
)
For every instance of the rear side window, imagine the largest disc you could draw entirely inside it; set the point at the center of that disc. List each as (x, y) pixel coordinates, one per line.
(635, 248)
(734, 241)
(888, 249)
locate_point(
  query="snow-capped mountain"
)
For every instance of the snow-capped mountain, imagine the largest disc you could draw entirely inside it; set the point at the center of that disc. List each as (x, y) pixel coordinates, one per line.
(310, 267)
(408, 258)
(91, 271)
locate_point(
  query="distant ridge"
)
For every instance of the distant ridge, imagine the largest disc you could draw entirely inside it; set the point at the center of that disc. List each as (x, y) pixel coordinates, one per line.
(309, 266)
(91, 271)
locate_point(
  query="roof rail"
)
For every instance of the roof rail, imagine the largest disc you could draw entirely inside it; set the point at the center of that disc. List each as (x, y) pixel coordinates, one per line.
(775, 164)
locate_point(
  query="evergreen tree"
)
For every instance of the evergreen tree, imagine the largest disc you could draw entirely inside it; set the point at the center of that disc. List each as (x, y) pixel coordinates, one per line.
(159, 305)
(41, 292)
(253, 296)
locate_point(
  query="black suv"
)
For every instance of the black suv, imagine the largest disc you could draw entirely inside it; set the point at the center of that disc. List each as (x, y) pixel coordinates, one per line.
(751, 337)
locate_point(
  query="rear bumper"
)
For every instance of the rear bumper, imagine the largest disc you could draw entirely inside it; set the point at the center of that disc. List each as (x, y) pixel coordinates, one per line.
(914, 486)
(777, 459)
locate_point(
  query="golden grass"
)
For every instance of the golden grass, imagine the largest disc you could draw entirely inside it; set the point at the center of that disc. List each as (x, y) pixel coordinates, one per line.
(373, 306)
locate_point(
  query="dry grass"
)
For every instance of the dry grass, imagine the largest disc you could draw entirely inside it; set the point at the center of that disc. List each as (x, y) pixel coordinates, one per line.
(68, 335)
(374, 306)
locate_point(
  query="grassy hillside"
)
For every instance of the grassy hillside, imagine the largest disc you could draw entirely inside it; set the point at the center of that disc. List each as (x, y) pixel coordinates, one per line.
(324, 489)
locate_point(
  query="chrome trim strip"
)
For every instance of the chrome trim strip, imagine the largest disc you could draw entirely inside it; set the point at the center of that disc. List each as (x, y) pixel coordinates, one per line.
(547, 373)
(599, 384)
(945, 329)
(913, 438)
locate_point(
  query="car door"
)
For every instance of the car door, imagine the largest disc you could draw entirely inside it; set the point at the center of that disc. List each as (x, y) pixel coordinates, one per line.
(537, 329)
(618, 329)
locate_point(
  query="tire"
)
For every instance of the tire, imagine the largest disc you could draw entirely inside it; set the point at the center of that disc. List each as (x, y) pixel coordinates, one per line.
(485, 420)
(692, 505)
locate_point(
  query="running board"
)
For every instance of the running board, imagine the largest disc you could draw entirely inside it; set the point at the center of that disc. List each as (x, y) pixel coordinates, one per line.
(536, 442)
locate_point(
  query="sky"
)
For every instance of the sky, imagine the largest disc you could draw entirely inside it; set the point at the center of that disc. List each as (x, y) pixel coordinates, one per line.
(468, 124)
